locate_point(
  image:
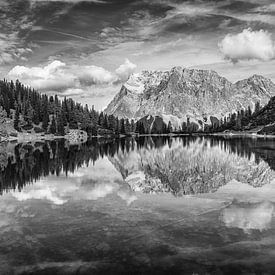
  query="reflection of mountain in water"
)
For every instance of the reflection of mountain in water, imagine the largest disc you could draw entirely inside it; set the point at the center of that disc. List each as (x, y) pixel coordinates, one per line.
(186, 165)
(190, 166)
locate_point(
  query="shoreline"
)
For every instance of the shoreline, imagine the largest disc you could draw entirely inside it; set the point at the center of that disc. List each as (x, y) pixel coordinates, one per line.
(26, 137)
(243, 134)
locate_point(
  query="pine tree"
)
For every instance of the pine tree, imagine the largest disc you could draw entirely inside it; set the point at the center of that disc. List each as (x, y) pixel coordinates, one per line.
(257, 107)
(141, 128)
(127, 126)
(3, 119)
(45, 122)
(122, 126)
(60, 125)
(16, 120)
(117, 126)
(101, 120)
(169, 128)
(183, 127)
(105, 122)
(53, 126)
(133, 126)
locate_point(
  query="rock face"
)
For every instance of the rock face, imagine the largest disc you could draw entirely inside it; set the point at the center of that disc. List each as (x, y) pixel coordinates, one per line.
(180, 93)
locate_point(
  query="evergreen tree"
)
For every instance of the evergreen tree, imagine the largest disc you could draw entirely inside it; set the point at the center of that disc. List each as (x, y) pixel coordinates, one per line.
(53, 126)
(36, 108)
(60, 125)
(117, 126)
(16, 120)
(127, 126)
(183, 127)
(169, 128)
(3, 119)
(122, 126)
(105, 122)
(257, 107)
(45, 122)
(133, 126)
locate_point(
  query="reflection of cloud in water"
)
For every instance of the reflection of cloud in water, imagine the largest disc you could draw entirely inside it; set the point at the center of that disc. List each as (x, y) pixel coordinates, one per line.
(126, 196)
(59, 192)
(4, 220)
(88, 183)
(47, 193)
(248, 216)
(100, 190)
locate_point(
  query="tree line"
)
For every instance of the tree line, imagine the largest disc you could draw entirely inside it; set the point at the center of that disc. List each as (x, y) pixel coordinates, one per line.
(30, 109)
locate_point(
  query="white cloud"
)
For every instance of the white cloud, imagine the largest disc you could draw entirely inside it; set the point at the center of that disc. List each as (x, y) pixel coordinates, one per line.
(248, 45)
(57, 76)
(73, 92)
(70, 1)
(125, 70)
(94, 75)
(53, 76)
(70, 80)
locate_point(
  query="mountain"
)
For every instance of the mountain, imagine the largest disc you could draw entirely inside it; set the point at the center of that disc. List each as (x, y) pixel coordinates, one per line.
(181, 93)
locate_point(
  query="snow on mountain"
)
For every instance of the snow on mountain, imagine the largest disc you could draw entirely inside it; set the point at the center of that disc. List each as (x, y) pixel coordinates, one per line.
(181, 93)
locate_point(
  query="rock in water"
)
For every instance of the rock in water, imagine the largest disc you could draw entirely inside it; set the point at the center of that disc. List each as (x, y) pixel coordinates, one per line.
(76, 136)
(187, 93)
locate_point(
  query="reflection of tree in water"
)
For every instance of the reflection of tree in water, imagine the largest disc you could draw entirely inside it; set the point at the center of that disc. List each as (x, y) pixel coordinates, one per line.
(3, 156)
(26, 163)
(32, 161)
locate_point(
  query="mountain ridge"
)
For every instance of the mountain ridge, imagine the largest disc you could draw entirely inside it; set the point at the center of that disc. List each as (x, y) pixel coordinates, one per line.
(183, 93)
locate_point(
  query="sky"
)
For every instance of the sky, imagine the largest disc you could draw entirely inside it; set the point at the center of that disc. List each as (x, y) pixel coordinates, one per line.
(87, 49)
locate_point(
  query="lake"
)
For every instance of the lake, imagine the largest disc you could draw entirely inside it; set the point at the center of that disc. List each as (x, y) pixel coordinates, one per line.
(151, 205)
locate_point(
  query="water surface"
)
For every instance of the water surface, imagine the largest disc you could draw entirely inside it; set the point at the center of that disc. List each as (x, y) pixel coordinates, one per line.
(189, 205)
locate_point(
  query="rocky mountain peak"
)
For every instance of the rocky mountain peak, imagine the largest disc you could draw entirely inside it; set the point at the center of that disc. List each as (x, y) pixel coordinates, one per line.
(183, 93)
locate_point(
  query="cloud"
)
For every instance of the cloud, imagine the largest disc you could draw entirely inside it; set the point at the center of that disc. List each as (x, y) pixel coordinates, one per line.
(70, 80)
(10, 48)
(94, 75)
(53, 76)
(70, 1)
(125, 70)
(248, 45)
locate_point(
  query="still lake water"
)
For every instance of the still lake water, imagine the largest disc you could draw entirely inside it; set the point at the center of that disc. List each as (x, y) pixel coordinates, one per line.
(189, 205)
